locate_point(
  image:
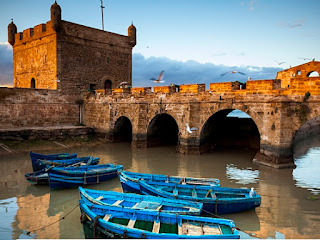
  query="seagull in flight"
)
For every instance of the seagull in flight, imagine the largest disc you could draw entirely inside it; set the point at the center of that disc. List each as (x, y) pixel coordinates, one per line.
(159, 79)
(233, 72)
(306, 59)
(191, 130)
(279, 63)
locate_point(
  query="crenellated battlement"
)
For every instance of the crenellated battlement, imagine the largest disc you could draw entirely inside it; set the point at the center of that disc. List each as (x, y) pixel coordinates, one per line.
(36, 33)
(299, 84)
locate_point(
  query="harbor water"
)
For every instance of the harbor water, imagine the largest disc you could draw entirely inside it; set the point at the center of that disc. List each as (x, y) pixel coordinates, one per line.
(290, 205)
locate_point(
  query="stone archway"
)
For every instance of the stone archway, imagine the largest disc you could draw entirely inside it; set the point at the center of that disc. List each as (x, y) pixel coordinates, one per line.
(162, 130)
(122, 131)
(223, 131)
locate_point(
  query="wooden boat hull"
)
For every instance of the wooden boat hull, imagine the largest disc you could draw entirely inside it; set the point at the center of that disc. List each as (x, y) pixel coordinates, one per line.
(130, 223)
(130, 180)
(137, 201)
(35, 156)
(67, 177)
(219, 201)
(39, 177)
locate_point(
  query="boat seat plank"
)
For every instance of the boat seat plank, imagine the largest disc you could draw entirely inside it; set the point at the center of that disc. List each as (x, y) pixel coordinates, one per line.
(107, 217)
(180, 232)
(99, 198)
(191, 229)
(131, 223)
(117, 203)
(156, 227)
(134, 206)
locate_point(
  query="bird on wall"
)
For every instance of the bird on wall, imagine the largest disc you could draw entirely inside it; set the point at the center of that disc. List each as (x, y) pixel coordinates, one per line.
(279, 63)
(159, 79)
(191, 130)
(124, 84)
(233, 72)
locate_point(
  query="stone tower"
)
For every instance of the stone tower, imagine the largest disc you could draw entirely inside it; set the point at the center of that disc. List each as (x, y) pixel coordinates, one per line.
(69, 57)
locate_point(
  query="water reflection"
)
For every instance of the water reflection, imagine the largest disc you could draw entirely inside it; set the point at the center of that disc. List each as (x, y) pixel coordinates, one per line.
(306, 176)
(285, 209)
(242, 176)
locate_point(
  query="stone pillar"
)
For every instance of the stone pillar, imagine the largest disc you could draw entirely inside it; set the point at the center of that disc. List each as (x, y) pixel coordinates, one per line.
(276, 138)
(139, 131)
(275, 156)
(189, 143)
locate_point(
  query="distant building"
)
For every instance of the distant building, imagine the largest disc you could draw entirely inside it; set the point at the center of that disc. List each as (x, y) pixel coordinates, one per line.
(69, 57)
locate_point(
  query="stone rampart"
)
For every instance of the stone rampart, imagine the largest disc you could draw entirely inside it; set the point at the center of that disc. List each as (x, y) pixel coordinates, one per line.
(36, 107)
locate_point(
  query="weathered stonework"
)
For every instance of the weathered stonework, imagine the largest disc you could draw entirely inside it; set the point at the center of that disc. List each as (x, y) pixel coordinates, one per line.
(36, 107)
(275, 111)
(62, 60)
(69, 57)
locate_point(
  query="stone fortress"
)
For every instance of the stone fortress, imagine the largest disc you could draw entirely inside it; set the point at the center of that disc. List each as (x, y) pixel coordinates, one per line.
(67, 74)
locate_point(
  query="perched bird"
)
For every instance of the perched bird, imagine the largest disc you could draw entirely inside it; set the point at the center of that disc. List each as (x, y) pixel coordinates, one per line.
(191, 130)
(233, 72)
(124, 84)
(279, 63)
(159, 79)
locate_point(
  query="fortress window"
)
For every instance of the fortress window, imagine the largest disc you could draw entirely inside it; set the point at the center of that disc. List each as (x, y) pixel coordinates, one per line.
(108, 60)
(92, 86)
(298, 72)
(33, 83)
(313, 74)
(107, 84)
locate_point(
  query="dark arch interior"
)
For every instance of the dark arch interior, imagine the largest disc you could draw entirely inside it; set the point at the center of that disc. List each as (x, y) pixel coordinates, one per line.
(33, 83)
(107, 84)
(221, 131)
(122, 130)
(162, 130)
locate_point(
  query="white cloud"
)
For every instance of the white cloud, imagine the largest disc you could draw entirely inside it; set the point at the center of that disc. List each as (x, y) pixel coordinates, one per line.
(191, 72)
(6, 68)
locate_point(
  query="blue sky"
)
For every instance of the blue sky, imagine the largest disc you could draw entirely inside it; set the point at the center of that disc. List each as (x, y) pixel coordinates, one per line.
(208, 36)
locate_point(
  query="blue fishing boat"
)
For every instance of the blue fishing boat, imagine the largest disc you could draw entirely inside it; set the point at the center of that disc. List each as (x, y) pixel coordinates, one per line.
(65, 177)
(131, 223)
(130, 180)
(41, 177)
(42, 164)
(216, 200)
(136, 201)
(35, 156)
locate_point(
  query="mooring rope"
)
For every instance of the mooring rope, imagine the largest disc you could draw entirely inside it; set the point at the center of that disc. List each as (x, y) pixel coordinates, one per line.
(34, 230)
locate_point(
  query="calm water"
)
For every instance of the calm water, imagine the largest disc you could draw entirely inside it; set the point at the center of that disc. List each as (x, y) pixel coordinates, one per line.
(290, 206)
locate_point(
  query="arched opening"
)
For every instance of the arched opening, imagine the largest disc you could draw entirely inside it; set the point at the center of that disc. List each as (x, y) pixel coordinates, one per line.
(306, 154)
(229, 129)
(107, 84)
(122, 130)
(33, 83)
(313, 74)
(162, 130)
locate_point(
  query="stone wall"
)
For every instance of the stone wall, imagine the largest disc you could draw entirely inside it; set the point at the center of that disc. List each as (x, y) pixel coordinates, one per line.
(88, 57)
(35, 56)
(36, 107)
(298, 72)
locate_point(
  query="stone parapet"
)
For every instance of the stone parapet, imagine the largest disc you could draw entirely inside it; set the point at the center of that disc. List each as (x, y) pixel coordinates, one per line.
(192, 88)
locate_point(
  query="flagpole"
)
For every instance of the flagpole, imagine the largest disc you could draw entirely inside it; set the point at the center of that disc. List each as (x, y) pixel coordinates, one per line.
(102, 7)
